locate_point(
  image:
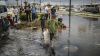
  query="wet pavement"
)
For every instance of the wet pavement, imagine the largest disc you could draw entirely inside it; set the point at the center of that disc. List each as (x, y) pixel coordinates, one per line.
(81, 39)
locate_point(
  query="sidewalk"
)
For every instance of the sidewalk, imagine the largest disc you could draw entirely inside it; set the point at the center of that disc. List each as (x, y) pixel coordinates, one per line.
(81, 14)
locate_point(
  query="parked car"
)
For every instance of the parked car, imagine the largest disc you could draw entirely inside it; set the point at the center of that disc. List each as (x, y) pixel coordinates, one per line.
(91, 9)
(10, 12)
(3, 22)
(62, 8)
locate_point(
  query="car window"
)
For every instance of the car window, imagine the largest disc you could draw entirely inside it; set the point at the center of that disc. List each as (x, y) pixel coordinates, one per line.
(63, 8)
(3, 9)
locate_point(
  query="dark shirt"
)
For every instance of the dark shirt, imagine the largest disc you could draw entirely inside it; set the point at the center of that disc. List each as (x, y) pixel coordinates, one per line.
(27, 11)
(11, 21)
(42, 21)
(53, 11)
(20, 10)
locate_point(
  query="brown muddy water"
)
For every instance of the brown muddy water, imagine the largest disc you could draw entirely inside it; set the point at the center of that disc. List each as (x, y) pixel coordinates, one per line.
(82, 39)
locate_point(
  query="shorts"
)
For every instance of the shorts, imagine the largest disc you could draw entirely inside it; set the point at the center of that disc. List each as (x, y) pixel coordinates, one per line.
(51, 36)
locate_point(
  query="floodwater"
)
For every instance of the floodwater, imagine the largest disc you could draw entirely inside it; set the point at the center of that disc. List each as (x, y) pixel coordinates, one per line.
(81, 39)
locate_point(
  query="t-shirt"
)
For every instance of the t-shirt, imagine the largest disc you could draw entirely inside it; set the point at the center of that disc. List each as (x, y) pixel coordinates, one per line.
(33, 10)
(11, 21)
(52, 25)
(27, 11)
(57, 12)
(47, 9)
(42, 21)
(53, 11)
(15, 11)
(11, 8)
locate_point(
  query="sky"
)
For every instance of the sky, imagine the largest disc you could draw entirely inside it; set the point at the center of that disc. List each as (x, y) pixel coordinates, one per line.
(74, 2)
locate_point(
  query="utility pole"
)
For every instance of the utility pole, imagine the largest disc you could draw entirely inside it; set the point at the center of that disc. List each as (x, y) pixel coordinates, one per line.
(60, 2)
(69, 12)
(17, 3)
(34, 3)
(40, 6)
(69, 27)
(83, 3)
(91, 3)
(13, 2)
(21, 3)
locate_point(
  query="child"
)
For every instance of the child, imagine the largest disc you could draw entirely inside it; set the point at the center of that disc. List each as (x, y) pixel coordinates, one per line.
(42, 22)
(11, 23)
(51, 26)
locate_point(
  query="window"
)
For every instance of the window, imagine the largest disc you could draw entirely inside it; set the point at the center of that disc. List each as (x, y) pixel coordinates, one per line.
(3, 9)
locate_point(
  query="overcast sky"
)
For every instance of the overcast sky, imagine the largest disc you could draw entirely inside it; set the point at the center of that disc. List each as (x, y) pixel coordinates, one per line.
(58, 1)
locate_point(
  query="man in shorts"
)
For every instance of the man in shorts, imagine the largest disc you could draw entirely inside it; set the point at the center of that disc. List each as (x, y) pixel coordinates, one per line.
(51, 26)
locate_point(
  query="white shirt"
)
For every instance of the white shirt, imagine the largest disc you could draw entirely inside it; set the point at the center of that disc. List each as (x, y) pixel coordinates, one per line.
(47, 9)
(11, 8)
(57, 12)
(15, 11)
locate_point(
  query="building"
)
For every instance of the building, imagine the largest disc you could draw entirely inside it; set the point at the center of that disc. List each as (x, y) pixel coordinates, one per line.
(92, 5)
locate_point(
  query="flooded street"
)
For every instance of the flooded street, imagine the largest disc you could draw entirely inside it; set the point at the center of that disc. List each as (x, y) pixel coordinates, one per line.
(82, 39)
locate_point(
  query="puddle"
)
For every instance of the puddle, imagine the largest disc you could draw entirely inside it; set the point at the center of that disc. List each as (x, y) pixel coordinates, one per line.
(82, 35)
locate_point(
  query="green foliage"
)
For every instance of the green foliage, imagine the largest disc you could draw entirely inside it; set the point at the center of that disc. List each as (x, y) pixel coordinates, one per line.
(95, 12)
(23, 17)
(40, 14)
(56, 6)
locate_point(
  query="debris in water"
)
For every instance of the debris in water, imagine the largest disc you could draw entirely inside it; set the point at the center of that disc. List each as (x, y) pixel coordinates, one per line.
(70, 47)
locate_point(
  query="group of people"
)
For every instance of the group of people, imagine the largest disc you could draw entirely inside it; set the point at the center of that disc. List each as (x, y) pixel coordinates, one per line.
(28, 11)
(51, 26)
(15, 12)
(49, 12)
(52, 23)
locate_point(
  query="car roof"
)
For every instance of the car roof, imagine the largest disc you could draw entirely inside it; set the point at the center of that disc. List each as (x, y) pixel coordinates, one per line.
(2, 3)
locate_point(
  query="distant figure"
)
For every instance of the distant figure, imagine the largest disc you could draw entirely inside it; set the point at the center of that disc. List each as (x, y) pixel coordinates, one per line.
(15, 11)
(53, 11)
(33, 10)
(27, 11)
(51, 26)
(11, 8)
(11, 23)
(47, 12)
(42, 22)
(20, 10)
(57, 12)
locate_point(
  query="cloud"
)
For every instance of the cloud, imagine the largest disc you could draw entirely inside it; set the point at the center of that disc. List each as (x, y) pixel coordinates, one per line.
(74, 2)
